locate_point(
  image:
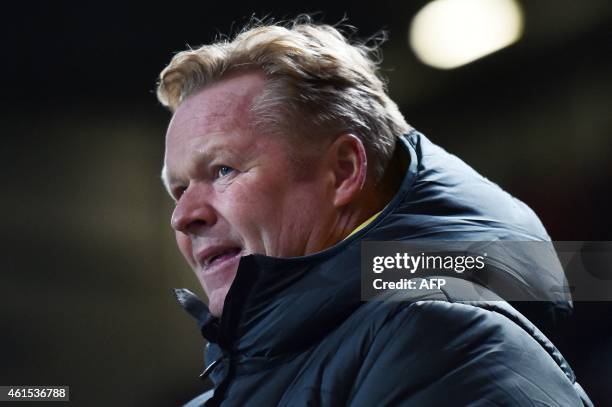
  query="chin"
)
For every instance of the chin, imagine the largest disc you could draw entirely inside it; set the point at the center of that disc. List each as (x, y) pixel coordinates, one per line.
(216, 300)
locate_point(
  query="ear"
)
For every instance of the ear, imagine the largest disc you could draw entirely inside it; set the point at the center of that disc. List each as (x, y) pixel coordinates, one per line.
(348, 164)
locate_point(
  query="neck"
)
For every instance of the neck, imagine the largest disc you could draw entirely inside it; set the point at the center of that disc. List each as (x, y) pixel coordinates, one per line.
(371, 200)
(354, 214)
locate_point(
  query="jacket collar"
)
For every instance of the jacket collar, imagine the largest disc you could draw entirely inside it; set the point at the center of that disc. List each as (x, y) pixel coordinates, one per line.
(277, 305)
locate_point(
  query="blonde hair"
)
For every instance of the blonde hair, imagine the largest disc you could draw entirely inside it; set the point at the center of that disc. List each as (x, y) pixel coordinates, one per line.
(318, 84)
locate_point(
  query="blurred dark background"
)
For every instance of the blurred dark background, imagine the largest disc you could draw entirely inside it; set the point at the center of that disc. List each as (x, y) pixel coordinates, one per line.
(88, 257)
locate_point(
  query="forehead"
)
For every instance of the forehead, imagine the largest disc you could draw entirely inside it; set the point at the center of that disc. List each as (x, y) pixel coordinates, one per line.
(220, 107)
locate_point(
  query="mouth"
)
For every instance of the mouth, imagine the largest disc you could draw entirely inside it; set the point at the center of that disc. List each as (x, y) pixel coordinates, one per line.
(216, 257)
(222, 256)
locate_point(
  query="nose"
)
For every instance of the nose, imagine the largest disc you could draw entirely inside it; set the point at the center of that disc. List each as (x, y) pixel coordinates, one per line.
(193, 212)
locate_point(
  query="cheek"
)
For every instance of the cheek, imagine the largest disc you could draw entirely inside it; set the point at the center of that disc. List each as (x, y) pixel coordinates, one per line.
(184, 244)
(252, 201)
(254, 217)
(253, 208)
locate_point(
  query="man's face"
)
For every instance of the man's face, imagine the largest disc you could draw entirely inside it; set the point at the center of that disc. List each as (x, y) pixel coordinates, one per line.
(237, 191)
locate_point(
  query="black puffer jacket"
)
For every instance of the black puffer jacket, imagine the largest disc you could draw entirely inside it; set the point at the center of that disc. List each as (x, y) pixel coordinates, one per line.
(295, 333)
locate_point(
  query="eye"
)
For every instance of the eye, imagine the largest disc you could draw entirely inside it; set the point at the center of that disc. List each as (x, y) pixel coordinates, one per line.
(224, 170)
(178, 192)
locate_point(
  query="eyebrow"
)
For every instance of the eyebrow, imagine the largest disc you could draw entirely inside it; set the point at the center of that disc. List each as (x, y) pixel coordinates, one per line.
(200, 156)
(164, 178)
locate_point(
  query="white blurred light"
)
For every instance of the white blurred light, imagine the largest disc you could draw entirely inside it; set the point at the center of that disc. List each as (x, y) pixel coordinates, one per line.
(450, 33)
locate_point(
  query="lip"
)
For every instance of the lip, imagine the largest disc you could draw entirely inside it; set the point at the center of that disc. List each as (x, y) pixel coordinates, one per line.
(217, 256)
